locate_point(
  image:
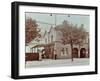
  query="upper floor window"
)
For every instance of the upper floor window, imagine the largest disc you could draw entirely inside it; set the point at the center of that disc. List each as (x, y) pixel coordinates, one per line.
(46, 41)
(66, 50)
(51, 38)
(63, 51)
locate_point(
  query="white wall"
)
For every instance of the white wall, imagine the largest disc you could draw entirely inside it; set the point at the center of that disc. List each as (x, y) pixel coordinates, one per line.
(5, 40)
(28, 49)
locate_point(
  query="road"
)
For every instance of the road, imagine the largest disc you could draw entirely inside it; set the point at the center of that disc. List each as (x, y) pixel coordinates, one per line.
(58, 62)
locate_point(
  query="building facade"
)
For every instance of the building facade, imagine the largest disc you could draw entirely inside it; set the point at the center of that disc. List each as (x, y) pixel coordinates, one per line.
(51, 47)
(56, 49)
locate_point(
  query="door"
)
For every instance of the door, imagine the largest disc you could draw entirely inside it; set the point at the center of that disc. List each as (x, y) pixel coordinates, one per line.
(82, 53)
(75, 52)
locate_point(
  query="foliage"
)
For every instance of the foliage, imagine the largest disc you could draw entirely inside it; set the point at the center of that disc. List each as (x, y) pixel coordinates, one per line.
(31, 30)
(72, 34)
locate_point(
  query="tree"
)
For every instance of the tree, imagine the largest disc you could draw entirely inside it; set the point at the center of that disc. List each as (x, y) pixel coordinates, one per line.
(72, 34)
(31, 30)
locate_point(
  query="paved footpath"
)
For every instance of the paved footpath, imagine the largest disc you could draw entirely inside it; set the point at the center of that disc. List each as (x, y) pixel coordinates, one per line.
(58, 62)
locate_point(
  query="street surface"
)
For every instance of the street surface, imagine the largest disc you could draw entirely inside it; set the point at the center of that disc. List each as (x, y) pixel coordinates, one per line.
(57, 63)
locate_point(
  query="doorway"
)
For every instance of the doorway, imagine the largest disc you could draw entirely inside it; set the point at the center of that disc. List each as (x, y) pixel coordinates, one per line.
(82, 53)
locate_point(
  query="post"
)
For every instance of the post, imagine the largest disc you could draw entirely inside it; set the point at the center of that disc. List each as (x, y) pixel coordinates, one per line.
(71, 51)
(55, 20)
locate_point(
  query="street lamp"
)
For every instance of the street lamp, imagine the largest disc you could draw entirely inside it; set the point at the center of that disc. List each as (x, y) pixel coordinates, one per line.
(68, 15)
(72, 47)
(55, 19)
(69, 18)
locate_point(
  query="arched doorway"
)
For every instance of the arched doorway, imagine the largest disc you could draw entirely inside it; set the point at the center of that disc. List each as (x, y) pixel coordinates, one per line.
(82, 53)
(75, 53)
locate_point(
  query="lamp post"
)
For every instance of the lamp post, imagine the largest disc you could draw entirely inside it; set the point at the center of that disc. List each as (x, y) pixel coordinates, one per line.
(54, 18)
(54, 51)
(72, 42)
(69, 18)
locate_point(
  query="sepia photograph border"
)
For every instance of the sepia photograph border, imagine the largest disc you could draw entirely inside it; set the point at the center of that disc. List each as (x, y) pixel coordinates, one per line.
(15, 38)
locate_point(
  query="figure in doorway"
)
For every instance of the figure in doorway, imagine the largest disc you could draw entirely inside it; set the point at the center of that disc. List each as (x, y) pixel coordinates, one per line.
(55, 54)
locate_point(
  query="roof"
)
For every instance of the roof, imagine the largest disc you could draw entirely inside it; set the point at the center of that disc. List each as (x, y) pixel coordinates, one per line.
(43, 45)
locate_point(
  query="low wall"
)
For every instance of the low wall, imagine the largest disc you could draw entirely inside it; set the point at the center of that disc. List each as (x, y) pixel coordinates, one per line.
(31, 56)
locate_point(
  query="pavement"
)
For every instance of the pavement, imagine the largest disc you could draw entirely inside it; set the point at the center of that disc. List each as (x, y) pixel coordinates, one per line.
(58, 62)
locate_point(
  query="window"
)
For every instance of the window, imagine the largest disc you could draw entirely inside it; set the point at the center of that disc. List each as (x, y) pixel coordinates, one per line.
(66, 50)
(51, 38)
(63, 51)
(46, 41)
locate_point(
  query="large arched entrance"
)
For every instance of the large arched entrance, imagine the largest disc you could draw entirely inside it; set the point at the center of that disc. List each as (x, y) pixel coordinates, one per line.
(75, 53)
(82, 53)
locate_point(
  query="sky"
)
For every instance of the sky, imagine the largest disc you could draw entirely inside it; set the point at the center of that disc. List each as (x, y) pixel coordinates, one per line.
(46, 20)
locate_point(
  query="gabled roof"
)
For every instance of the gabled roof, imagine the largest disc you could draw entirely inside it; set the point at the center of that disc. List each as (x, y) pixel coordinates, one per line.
(50, 29)
(45, 33)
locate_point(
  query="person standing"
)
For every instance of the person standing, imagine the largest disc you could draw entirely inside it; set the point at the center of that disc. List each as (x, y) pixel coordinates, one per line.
(55, 54)
(40, 55)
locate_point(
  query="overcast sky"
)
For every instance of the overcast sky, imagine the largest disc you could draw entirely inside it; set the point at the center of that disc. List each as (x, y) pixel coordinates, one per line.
(46, 20)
